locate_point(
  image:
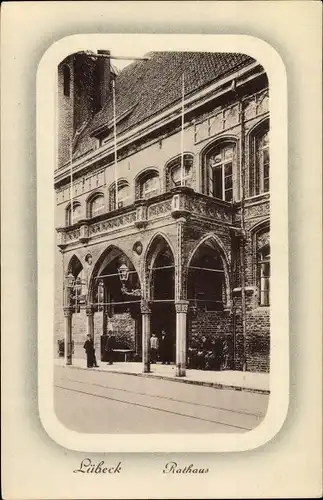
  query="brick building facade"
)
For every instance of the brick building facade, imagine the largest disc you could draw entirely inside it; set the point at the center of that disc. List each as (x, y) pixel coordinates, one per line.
(191, 225)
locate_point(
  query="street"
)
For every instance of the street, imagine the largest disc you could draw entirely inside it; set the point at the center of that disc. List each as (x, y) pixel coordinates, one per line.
(90, 401)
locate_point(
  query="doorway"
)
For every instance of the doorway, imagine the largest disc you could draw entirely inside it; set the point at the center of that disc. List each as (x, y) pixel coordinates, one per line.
(163, 315)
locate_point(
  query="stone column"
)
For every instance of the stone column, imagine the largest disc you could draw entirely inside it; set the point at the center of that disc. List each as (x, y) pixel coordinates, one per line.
(68, 314)
(181, 319)
(90, 322)
(145, 314)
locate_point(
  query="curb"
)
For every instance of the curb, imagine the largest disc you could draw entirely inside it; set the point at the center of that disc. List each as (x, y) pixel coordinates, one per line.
(215, 385)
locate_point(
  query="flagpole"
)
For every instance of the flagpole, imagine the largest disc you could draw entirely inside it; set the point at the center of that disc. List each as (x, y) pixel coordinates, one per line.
(115, 141)
(182, 133)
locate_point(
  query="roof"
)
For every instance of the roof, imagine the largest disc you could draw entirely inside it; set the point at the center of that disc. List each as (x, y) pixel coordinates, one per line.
(148, 87)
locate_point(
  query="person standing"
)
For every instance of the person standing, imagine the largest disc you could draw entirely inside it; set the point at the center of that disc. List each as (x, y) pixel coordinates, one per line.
(164, 348)
(109, 346)
(90, 352)
(153, 348)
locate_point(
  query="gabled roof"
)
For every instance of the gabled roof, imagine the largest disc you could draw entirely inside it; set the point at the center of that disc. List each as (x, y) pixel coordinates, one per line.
(151, 86)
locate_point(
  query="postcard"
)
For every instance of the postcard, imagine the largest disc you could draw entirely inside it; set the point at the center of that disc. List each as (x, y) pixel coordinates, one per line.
(164, 350)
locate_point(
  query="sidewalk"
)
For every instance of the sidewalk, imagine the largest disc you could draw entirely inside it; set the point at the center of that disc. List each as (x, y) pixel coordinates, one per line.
(227, 379)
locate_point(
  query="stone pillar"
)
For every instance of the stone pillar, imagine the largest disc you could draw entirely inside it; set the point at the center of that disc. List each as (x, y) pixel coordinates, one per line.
(68, 314)
(145, 314)
(181, 319)
(90, 322)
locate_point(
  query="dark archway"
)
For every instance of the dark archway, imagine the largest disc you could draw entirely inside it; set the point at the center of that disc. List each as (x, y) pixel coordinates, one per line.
(207, 294)
(161, 271)
(206, 282)
(117, 300)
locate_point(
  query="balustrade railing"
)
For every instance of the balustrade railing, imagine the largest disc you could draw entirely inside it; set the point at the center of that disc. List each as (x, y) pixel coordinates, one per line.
(180, 202)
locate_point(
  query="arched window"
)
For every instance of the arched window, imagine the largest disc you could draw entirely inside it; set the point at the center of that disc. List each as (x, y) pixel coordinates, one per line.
(174, 172)
(66, 81)
(96, 205)
(148, 185)
(259, 164)
(77, 214)
(220, 163)
(263, 265)
(123, 195)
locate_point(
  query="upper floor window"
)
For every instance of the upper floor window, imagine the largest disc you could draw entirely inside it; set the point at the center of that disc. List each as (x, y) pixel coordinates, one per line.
(149, 185)
(66, 81)
(263, 263)
(176, 175)
(96, 206)
(220, 164)
(77, 214)
(259, 162)
(123, 195)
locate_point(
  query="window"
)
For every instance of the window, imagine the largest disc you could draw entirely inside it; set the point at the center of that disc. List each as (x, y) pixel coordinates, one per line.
(220, 166)
(259, 163)
(149, 186)
(123, 195)
(77, 214)
(97, 206)
(174, 174)
(263, 261)
(66, 80)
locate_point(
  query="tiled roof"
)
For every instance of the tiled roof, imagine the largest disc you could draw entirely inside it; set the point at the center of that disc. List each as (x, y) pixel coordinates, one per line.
(153, 85)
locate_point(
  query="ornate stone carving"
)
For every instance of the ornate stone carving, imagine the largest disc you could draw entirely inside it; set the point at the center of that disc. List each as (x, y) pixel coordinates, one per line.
(137, 247)
(211, 209)
(263, 239)
(159, 209)
(68, 311)
(61, 239)
(88, 259)
(115, 222)
(84, 233)
(217, 122)
(261, 209)
(144, 307)
(72, 235)
(181, 306)
(141, 215)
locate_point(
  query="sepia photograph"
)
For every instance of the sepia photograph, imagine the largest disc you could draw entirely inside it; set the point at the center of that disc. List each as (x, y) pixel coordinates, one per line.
(162, 251)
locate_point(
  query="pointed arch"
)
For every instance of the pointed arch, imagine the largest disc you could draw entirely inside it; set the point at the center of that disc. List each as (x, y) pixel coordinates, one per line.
(74, 266)
(215, 243)
(159, 245)
(154, 240)
(111, 253)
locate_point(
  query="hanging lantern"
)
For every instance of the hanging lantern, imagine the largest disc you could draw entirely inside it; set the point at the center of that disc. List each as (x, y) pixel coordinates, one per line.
(78, 286)
(123, 271)
(70, 281)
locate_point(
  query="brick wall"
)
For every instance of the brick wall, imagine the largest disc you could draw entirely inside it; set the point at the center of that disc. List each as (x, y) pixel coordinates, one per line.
(257, 340)
(65, 114)
(216, 327)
